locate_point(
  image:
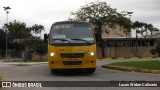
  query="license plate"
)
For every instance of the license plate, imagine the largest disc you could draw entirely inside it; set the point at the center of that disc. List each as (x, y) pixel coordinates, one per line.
(71, 59)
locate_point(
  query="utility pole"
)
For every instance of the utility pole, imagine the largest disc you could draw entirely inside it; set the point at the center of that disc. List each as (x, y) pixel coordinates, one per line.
(6, 29)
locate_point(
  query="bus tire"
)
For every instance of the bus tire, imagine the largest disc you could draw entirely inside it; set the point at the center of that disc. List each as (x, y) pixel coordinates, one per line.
(54, 71)
(90, 70)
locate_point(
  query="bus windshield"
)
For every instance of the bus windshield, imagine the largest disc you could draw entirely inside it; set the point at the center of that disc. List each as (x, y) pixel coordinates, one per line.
(63, 34)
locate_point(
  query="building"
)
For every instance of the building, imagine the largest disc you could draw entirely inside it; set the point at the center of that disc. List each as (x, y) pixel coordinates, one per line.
(127, 47)
(118, 44)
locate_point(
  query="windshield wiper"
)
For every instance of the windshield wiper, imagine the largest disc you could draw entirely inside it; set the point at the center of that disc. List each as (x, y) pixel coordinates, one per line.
(63, 40)
(82, 40)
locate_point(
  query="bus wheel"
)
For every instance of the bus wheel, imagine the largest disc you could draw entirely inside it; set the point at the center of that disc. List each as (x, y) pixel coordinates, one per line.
(90, 70)
(54, 71)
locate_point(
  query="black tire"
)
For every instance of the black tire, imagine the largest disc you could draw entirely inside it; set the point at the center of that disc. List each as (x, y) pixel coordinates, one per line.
(54, 71)
(90, 70)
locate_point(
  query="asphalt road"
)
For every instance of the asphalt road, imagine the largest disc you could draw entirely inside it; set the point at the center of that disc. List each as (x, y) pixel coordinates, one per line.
(40, 72)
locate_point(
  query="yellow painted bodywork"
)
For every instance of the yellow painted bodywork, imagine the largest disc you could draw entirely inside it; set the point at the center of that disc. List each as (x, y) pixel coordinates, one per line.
(88, 61)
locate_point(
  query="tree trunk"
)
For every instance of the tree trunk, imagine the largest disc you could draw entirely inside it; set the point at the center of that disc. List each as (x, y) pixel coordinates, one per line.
(102, 47)
(99, 28)
(101, 43)
(137, 54)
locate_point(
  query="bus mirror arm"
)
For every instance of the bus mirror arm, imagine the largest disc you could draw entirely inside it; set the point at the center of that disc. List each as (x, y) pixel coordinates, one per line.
(46, 37)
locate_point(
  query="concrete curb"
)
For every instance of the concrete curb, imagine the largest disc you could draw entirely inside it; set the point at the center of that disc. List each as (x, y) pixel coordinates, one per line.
(133, 58)
(22, 63)
(131, 69)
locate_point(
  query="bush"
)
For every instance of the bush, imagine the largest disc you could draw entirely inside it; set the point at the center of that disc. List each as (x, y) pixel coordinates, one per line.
(153, 52)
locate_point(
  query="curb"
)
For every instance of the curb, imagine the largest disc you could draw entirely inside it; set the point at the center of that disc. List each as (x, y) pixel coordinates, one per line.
(23, 63)
(131, 58)
(131, 69)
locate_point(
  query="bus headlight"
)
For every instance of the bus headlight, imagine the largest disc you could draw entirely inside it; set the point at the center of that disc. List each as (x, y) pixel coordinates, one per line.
(91, 54)
(52, 54)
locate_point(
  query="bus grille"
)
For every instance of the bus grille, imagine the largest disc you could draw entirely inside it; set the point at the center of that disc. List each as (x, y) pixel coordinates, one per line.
(73, 55)
(72, 62)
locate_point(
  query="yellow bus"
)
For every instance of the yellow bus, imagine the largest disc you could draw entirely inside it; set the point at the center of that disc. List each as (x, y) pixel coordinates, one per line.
(71, 45)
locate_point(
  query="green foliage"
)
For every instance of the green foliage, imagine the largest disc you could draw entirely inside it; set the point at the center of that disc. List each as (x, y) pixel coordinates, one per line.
(153, 52)
(156, 50)
(99, 14)
(144, 29)
(18, 30)
(37, 29)
(2, 39)
(158, 47)
(40, 48)
(19, 38)
(150, 64)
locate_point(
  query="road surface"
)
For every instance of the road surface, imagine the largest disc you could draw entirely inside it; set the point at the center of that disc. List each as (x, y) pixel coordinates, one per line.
(40, 72)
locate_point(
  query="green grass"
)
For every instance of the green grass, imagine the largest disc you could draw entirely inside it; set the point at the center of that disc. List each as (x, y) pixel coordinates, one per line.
(150, 64)
(27, 61)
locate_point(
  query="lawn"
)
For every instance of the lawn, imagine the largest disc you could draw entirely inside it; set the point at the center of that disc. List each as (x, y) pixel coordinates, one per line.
(149, 64)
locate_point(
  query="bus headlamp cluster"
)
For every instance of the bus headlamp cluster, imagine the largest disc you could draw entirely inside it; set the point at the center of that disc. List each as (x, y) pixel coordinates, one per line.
(91, 54)
(52, 54)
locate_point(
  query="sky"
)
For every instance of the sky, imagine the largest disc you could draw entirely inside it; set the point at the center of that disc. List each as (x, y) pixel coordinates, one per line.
(46, 12)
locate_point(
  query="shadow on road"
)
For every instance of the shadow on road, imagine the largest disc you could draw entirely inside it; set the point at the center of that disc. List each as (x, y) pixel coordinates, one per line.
(72, 72)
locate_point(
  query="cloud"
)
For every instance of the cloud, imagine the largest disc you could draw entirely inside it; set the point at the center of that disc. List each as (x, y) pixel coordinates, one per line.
(46, 12)
(148, 5)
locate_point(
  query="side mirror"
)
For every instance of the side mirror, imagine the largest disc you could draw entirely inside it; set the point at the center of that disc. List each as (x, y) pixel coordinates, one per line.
(45, 37)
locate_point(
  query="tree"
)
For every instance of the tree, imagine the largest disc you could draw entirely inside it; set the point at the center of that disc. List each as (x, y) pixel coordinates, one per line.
(142, 30)
(99, 14)
(2, 42)
(19, 37)
(153, 52)
(18, 30)
(153, 31)
(40, 48)
(17, 34)
(156, 50)
(37, 29)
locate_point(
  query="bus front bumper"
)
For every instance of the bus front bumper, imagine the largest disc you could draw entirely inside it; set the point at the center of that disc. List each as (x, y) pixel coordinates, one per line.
(72, 64)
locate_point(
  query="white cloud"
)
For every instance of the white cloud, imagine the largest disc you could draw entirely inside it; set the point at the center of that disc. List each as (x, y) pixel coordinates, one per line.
(45, 12)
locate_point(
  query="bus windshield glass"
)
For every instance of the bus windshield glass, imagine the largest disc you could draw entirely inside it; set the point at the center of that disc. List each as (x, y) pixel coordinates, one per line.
(63, 34)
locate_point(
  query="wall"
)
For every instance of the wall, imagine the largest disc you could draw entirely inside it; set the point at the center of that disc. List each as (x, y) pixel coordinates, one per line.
(125, 52)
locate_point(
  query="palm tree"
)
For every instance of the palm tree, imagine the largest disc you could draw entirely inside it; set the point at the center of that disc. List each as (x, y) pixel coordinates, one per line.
(138, 26)
(144, 29)
(153, 30)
